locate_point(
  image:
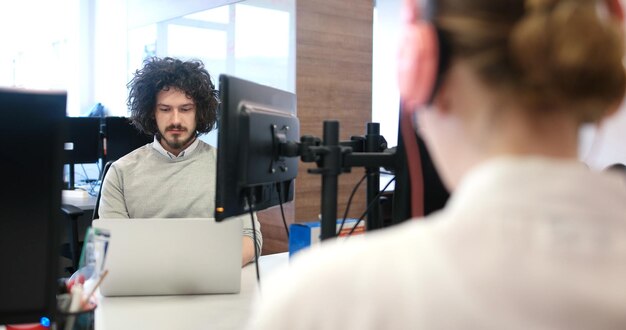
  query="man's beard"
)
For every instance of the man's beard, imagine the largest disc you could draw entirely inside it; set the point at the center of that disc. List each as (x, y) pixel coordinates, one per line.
(176, 142)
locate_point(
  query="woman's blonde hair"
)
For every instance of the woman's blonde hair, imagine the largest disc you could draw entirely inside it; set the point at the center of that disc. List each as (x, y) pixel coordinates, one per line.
(547, 54)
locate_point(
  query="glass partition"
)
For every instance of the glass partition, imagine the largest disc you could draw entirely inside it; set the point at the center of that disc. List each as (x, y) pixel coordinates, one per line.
(252, 39)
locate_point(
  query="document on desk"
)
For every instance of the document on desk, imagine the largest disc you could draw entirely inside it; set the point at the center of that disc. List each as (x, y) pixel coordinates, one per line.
(172, 256)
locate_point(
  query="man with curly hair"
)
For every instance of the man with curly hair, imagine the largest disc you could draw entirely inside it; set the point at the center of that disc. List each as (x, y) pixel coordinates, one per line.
(174, 176)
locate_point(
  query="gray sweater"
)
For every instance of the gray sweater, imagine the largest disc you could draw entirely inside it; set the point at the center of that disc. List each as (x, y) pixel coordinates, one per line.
(148, 184)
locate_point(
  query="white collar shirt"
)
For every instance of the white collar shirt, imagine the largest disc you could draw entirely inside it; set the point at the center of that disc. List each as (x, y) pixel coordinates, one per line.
(187, 152)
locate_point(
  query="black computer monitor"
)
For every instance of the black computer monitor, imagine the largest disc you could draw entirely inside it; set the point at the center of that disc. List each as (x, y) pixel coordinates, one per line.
(81, 143)
(253, 119)
(121, 137)
(30, 202)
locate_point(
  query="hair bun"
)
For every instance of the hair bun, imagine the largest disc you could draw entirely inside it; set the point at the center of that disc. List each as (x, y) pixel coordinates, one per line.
(566, 51)
(539, 5)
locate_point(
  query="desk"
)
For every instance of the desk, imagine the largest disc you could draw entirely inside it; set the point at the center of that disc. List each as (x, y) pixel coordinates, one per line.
(86, 204)
(227, 311)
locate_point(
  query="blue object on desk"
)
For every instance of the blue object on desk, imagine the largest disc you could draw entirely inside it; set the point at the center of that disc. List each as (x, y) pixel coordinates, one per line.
(305, 234)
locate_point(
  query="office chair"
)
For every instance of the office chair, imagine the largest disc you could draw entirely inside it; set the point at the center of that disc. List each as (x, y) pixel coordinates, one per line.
(104, 172)
(72, 250)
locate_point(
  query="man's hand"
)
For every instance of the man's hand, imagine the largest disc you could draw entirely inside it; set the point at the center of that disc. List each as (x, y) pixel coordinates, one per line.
(247, 250)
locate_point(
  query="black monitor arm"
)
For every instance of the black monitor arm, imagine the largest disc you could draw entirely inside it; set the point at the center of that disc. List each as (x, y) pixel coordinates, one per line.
(333, 158)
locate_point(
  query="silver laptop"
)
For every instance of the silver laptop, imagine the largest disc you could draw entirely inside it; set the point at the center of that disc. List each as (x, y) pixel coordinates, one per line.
(172, 256)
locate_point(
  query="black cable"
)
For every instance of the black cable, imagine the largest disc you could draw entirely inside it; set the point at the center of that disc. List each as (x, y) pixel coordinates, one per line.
(80, 177)
(256, 253)
(345, 214)
(282, 212)
(92, 183)
(100, 166)
(82, 166)
(370, 205)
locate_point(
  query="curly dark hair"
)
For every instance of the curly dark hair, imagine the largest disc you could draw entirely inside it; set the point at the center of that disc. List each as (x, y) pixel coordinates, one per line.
(162, 74)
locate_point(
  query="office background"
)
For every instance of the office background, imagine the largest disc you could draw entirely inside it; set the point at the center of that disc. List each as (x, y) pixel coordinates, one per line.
(338, 56)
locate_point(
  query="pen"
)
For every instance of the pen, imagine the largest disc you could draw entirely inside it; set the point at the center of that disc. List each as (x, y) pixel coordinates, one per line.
(91, 293)
(75, 304)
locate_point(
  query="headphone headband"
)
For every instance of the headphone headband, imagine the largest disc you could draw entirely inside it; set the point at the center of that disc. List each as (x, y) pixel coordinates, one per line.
(616, 9)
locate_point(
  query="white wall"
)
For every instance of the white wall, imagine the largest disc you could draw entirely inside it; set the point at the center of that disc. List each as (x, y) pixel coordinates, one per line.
(82, 84)
(38, 45)
(143, 12)
(110, 55)
(385, 96)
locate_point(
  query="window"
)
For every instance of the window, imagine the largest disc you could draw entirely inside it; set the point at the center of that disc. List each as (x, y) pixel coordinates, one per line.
(39, 46)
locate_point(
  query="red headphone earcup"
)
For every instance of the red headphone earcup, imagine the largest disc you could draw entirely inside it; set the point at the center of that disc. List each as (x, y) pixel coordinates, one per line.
(616, 9)
(418, 63)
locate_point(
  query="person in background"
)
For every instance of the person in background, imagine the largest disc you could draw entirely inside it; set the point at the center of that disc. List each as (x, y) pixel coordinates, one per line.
(530, 238)
(174, 176)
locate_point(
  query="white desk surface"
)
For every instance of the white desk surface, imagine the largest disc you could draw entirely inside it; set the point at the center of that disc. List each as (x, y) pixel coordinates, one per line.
(227, 311)
(82, 203)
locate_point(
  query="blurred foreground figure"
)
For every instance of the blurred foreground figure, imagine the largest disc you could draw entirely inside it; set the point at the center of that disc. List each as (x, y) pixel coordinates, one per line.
(530, 239)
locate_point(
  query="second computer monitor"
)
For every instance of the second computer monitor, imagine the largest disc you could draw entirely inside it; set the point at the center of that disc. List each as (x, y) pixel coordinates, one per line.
(82, 142)
(121, 137)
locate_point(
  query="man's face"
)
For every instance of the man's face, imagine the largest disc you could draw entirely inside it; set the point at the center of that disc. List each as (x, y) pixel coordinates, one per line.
(175, 116)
